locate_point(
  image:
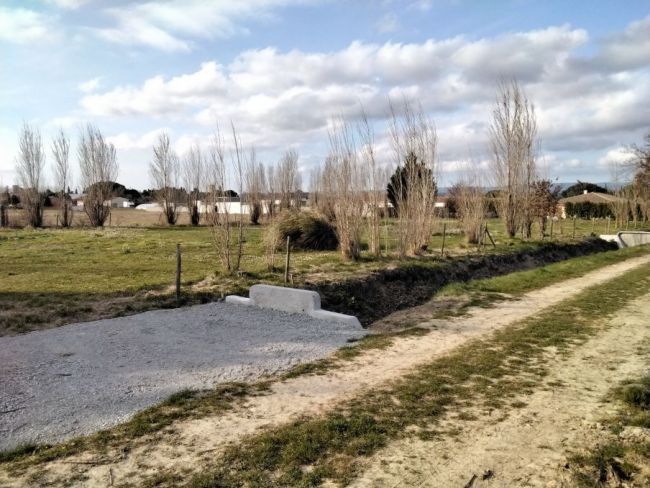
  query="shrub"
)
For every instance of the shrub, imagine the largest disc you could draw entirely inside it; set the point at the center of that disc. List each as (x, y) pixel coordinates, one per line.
(588, 210)
(307, 232)
(637, 394)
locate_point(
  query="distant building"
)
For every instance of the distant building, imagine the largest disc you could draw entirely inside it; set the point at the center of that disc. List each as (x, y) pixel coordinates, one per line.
(594, 198)
(119, 202)
(77, 199)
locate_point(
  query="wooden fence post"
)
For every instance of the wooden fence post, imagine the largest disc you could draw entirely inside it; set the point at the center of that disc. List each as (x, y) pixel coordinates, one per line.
(178, 273)
(574, 228)
(551, 233)
(286, 261)
(593, 225)
(444, 236)
(487, 232)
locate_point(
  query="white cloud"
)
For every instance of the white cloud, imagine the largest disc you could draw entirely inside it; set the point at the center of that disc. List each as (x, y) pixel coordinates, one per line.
(23, 26)
(126, 141)
(388, 23)
(422, 5)
(68, 4)
(159, 96)
(89, 86)
(615, 157)
(66, 122)
(278, 98)
(172, 25)
(629, 49)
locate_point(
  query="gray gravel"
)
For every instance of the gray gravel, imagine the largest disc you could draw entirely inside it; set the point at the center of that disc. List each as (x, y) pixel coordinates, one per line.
(80, 378)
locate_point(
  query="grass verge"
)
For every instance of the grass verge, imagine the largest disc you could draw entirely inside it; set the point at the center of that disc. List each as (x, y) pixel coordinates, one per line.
(488, 373)
(486, 292)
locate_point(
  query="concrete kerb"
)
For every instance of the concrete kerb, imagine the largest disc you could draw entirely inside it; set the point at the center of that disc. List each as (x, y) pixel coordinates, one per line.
(291, 300)
(628, 238)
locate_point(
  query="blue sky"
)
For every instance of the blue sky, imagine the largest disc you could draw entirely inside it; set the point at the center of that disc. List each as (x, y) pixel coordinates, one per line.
(281, 69)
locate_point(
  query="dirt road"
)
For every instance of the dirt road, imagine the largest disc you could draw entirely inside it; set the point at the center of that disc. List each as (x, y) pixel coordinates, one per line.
(532, 446)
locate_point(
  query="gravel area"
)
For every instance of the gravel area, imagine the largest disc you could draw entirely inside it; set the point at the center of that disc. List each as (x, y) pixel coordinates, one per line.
(80, 378)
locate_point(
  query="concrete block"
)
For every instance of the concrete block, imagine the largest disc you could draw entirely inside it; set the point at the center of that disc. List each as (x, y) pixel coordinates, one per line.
(292, 300)
(612, 238)
(238, 300)
(285, 299)
(631, 238)
(351, 320)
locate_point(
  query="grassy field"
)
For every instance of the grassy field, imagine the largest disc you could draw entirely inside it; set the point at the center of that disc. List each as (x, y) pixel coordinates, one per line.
(54, 276)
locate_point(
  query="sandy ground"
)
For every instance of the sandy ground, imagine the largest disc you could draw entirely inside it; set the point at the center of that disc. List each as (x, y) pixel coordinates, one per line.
(532, 445)
(195, 442)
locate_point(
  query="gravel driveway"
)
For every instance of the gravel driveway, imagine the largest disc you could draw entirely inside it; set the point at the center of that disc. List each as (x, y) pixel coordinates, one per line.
(76, 379)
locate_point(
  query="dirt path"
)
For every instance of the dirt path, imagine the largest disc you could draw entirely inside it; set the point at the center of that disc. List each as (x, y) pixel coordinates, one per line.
(531, 446)
(195, 442)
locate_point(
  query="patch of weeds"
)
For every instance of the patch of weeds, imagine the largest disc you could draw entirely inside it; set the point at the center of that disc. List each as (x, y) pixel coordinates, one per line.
(331, 447)
(618, 461)
(604, 466)
(18, 452)
(637, 395)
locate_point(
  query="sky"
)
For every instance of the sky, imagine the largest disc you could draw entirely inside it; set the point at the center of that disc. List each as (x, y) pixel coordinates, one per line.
(282, 70)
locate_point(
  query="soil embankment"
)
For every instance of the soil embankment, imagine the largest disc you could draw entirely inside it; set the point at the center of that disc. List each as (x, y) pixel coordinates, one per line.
(381, 293)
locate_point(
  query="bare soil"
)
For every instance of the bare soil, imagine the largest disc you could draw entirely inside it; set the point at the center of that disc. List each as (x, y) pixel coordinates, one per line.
(530, 443)
(193, 444)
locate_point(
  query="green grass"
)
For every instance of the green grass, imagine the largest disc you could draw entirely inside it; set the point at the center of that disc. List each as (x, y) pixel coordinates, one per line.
(52, 276)
(489, 373)
(485, 292)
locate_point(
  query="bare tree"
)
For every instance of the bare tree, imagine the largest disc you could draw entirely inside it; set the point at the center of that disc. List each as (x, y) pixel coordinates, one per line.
(469, 198)
(412, 188)
(98, 170)
(288, 180)
(219, 211)
(255, 179)
(272, 189)
(374, 183)
(239, 162)
(5, 201)
(323, 196)
(343, 179)
(61, 152)
(640, 163)
(513, 140)
(543, 203)
(620, 206)
(164, 169)
(229, 249)
(29, 167)
(193, 172)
